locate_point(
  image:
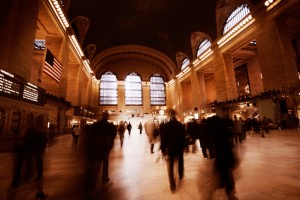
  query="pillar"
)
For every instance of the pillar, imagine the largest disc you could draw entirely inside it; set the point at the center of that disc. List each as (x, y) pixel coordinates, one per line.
(224, 77)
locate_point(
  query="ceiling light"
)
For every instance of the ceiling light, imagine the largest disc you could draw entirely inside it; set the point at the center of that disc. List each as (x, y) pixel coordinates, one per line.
(267, 3)
(7, 73)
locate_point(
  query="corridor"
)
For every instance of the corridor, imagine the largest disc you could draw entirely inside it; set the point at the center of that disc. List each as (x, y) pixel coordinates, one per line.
(269, 169)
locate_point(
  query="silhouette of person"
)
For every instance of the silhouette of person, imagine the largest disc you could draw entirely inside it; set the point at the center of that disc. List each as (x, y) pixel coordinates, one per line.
(140, 127)
(52, 131)
(192, 130)
(226, 160)
(151, 129)
(264, 126)
(100, 141)
(129, 127)
(31, 146)
(206, 141)
(76, 133)
(121, 131)
(238, 129)
(172, 146)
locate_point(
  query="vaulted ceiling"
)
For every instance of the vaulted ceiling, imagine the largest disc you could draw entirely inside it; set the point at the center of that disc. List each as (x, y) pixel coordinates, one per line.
(146, 35)
(124, 30)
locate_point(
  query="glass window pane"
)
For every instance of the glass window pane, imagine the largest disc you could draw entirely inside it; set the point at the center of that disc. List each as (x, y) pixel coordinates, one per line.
(235, 17)
(185, 63)
(108, 89)
(157, 90)
(133, 89)
(204, 45)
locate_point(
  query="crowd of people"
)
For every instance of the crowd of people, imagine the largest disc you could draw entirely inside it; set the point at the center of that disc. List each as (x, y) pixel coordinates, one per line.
(217, 137)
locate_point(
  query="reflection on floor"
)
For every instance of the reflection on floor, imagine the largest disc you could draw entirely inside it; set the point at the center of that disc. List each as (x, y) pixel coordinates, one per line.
(269, 169)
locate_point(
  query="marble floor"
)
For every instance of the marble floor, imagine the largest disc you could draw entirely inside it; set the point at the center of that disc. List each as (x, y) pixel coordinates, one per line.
(269, 170)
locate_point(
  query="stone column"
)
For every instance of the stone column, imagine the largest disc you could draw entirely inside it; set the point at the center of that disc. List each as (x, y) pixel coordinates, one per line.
(64, 55)
(84, 88)
(95, 94)
(256, 84)
(146, 97)
(275, 53)
(178, 99)
(73, 84)
(18, 20)
(224, 77)
(121, 95)
(196, 94)
(202, 90)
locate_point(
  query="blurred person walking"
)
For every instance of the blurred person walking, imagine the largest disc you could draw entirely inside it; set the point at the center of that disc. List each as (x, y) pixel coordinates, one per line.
(206, 141)
(140, 126)
(76, 133)
(226, 160)
(238, 129)
(264, 126)
(129, 127)
(192, 129)
(100, 141)
(121, 130)
(172, 147)
(31, 145)
(152, 131)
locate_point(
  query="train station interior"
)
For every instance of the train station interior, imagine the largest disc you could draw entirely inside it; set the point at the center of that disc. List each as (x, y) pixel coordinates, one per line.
(65, 62)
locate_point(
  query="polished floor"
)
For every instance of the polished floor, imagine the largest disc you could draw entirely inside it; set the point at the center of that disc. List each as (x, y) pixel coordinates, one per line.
(269, 170)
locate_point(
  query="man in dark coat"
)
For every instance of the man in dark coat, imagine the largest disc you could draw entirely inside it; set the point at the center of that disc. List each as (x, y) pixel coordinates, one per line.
(129, 127)
(226, 160)
(192, 130)
(172, 146)
(100, 141)
(206, 140)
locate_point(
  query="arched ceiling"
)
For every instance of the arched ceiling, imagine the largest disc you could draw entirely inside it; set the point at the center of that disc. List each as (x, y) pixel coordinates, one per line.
(155, 31)
(165, 26)
(140, 59)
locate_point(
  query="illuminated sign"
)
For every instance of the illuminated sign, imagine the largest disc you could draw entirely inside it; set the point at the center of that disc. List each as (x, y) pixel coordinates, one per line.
(12, 87)
(30, 93)
(8, 86)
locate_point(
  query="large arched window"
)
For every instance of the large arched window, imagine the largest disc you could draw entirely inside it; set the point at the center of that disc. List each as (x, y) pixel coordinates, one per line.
(235, 17)
(157, 90)
(133, 89)
(185, 63)
(205, 44)
(108, 89)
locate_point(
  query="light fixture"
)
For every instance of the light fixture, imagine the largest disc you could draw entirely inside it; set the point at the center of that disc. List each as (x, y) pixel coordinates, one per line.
(196, 62)
(59, 13)
(170, 82)
(235, 30)
(186, 70)
(7, 73)
(179, 75)
(196, 115)
(270, 4)
(206, 54)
